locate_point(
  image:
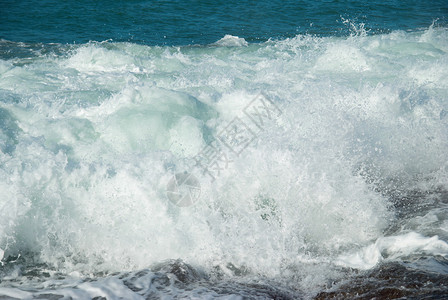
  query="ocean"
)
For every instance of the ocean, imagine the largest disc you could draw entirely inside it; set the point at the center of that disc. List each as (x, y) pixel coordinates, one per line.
(223, 149)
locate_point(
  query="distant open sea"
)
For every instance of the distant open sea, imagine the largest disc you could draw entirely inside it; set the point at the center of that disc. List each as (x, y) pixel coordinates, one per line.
(180, 23)
(223, 149)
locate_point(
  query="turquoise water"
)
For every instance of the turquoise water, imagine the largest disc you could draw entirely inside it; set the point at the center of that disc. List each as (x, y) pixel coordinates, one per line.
(204, 22)
(268, 150)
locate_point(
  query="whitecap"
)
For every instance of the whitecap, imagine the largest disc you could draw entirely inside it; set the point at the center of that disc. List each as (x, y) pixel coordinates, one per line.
(391, 248)
(231, 41)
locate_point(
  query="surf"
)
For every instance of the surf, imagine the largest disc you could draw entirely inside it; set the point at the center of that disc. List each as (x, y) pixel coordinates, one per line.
(349, 172)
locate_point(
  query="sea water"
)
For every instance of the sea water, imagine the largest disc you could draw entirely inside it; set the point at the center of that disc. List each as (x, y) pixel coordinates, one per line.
(277, 162)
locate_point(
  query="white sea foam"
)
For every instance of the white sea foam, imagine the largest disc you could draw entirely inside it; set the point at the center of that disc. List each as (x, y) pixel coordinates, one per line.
(231, 41)
(100, 131)
(392, 248)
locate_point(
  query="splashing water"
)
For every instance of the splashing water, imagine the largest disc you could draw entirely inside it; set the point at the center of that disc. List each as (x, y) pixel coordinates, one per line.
(350, 176)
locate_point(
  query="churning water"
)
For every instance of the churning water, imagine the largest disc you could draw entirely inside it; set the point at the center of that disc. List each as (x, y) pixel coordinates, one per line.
(315, 167)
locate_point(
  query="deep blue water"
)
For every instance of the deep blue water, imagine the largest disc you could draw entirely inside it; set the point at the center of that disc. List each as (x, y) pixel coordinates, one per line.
(201, 22)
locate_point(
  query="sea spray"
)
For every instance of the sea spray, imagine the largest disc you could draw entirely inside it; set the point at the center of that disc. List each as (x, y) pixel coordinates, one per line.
(92, 135)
